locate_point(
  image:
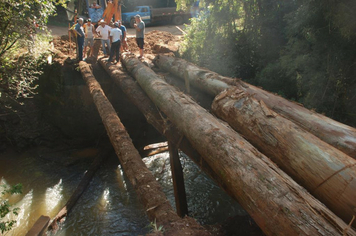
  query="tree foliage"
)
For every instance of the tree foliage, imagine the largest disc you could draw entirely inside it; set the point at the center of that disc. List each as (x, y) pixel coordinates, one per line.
(20, 21)
(303, 50)
(5, 207)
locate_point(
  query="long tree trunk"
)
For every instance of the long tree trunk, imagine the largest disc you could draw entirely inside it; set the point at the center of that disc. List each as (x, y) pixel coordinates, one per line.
(326, 172)
(149, 191)
(277, 204)
(157, 119)
(341, 136)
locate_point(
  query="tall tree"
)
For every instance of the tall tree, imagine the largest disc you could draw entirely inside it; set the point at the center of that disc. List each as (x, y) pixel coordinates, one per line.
(19, 21)
(303, 50)
(319, 59)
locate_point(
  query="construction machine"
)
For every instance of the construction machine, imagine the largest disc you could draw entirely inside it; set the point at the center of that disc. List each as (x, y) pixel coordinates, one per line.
(108, 10)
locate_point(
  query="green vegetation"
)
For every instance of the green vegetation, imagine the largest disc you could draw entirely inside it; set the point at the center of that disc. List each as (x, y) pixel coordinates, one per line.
(302, 50)
(23, 48)
(5, 207)
(155, 228)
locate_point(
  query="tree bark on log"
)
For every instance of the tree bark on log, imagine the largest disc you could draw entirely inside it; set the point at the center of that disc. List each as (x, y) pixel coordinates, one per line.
(326, 172)
(157, 119)
(341, 136)
(277, 204)
(149, 191)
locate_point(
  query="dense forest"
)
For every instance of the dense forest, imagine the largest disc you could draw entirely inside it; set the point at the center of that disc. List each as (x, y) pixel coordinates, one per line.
(302, 50)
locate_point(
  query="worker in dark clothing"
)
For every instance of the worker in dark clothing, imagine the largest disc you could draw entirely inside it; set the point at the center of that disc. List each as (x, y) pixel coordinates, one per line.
(80, 38)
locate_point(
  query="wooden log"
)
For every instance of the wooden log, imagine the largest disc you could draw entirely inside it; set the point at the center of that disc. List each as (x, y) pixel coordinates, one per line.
(326, 172)
(84, 182)
(40, 226)
(156, 118)
(341, 136)
(147, 188)
(277, 204)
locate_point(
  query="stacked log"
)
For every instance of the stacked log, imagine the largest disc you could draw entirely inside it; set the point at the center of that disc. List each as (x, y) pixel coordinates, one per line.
(341, 136)
(156, 118)
(277, 204)
(326, 172)
(149, 191)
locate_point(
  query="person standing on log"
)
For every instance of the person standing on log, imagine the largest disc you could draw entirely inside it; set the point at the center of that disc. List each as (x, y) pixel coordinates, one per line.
(103, 32)
(115, 39)
(80, 38)
(124, 39)
(140, 34)
(89, 30)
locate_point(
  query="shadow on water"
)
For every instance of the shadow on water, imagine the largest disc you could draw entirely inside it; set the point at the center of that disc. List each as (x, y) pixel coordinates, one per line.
(207, 203)
(46, 186)
(109, 205)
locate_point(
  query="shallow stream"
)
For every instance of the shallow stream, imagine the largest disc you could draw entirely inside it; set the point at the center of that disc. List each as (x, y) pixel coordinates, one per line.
(109, 205)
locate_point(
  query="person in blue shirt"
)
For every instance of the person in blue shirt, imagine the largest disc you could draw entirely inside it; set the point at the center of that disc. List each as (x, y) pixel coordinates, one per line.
(80, 38)
(124, 39)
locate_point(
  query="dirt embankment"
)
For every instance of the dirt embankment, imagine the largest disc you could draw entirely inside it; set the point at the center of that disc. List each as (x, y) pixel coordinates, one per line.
(156, 41)
(58, 31)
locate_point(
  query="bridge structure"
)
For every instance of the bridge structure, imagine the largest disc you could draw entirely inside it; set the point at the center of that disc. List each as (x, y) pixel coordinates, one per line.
(291, 169)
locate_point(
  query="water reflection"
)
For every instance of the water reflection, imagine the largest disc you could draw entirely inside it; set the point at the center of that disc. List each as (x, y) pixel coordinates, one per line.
(53, 197)
(122, 185)
(206, 201)
(109, 206)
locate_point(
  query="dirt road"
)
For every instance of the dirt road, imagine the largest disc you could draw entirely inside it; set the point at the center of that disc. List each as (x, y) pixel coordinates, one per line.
(175, 30)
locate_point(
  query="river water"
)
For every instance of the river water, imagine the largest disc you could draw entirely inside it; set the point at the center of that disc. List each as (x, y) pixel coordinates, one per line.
(109, 205)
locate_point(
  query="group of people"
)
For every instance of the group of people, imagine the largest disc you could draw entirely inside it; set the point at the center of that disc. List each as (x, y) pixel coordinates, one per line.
(115, 37)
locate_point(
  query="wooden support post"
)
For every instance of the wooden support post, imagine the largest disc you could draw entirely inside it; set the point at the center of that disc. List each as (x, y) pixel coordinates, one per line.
(178, 180)
(40, 227)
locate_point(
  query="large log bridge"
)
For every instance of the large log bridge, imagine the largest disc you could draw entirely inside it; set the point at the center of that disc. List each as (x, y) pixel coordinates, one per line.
(278, 204)
(325, 171)
(155, 202)
(251, 177)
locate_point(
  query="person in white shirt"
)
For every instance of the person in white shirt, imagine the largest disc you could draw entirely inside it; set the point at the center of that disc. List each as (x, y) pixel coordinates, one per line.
(115, 39)
(89, 31)
(103, 32)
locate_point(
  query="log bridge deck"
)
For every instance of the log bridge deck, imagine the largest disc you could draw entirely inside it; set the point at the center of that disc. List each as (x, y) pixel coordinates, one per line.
(291, 169)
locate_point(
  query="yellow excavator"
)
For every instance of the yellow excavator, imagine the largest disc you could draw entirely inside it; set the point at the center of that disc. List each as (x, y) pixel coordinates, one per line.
(96, 10)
